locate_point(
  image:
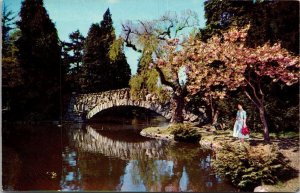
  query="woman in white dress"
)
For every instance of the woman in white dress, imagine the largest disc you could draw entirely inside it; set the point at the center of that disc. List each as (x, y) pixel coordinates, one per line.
(240, 122)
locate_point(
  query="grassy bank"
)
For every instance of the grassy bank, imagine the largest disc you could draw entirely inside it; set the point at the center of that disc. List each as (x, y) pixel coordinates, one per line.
(287, 143)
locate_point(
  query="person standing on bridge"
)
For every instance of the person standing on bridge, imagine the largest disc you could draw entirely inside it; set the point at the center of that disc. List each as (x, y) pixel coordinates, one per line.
(240, 123)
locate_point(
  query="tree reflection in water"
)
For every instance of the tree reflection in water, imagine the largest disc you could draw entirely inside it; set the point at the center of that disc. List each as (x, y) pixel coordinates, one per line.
(107, 162)
(107, 157)
(71, 177)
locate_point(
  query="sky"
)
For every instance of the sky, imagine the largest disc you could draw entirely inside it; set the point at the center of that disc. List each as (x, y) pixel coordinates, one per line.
(70, 15)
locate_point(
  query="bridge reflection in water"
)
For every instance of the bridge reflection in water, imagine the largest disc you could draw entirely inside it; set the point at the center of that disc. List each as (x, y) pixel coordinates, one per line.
(99, 159)
(93, 141)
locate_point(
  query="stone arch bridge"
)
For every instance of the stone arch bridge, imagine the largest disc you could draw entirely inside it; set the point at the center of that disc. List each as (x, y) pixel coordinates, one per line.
(84, 106)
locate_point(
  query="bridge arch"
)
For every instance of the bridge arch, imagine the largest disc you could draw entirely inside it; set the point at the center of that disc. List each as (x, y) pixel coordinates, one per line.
(157, 108)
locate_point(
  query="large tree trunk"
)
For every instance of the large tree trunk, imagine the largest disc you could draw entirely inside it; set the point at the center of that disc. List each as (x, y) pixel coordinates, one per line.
(262, 116)
(259, 103)
(179, 93)
(178, 102)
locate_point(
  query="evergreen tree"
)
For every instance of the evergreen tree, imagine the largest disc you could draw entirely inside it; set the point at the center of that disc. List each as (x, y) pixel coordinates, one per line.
(107, 38)
(72, 53)
(101, 72)
(120, 70)
(270, 21)
(74, 50)
(91, 59)
(39, 56)
(12, 78)
(7, 26)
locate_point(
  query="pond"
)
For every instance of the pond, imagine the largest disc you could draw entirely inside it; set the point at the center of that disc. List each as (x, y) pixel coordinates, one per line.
(103, 156)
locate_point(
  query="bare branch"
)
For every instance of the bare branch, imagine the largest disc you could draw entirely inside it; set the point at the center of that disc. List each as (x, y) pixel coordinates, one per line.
(185, 24)
(254, 90)
(260, 90)
(169, 20)
(189, 19)
(127, 32)
(162, 29)
(163, 78)
(248, 95)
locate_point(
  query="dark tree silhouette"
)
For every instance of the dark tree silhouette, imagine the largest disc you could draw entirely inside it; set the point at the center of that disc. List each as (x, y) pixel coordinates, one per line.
(101, 72)
(39, 56)
(72, 56)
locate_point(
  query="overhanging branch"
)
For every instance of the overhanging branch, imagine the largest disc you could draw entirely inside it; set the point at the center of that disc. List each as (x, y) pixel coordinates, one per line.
(163, 79)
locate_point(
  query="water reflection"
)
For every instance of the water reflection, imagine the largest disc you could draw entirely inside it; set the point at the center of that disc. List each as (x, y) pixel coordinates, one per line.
(107, 157)
(89, 140)
(71, 177)
(141, 164)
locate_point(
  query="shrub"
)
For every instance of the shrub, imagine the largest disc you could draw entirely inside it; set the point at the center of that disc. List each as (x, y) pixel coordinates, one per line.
(248, 166)
(185, 133)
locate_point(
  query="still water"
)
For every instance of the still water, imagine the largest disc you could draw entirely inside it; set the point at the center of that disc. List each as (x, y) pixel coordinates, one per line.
(103, 156)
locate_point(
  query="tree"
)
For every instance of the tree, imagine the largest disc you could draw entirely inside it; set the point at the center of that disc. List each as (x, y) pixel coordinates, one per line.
(74, 50)
(12, 73)
(103, 73)
(91, 58)
(11, 70)
(39, 56)
(168, 66)
(120, 68)
(148, 37)
(7, 26)
(72, 53)
(241, 67)
(272, 21)
(121, 72)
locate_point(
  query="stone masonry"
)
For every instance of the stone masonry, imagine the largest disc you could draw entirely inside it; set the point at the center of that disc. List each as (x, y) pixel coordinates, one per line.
(84, 106)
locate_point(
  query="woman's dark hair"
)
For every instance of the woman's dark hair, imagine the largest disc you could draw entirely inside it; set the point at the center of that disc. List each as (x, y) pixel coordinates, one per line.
(240, 103)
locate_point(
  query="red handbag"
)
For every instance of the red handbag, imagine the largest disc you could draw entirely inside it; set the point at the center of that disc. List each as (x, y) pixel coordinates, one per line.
(245, 131)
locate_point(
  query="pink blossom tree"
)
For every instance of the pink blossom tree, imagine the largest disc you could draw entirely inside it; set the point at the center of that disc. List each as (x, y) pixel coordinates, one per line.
(236, 64)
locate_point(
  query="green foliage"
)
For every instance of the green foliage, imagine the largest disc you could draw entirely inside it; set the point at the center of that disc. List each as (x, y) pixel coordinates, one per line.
(91, 57)
(144, 61)
(121, 72)
(147, 82)
(144, 80)
(147, 78)
(11, 70)
(12, 75)
(270, 21)
(72, 56)
(185, 133)
(7, 26)
(248, 166)
(217, 22)
(228, 108)
(115, 49)
(148, 42)
(135, 84)
(40, 59)
(104, 61)
(151, 38)
(282, 109)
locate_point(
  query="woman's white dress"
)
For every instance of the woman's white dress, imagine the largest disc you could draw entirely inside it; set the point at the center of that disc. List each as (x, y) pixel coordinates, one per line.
(238, 125)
